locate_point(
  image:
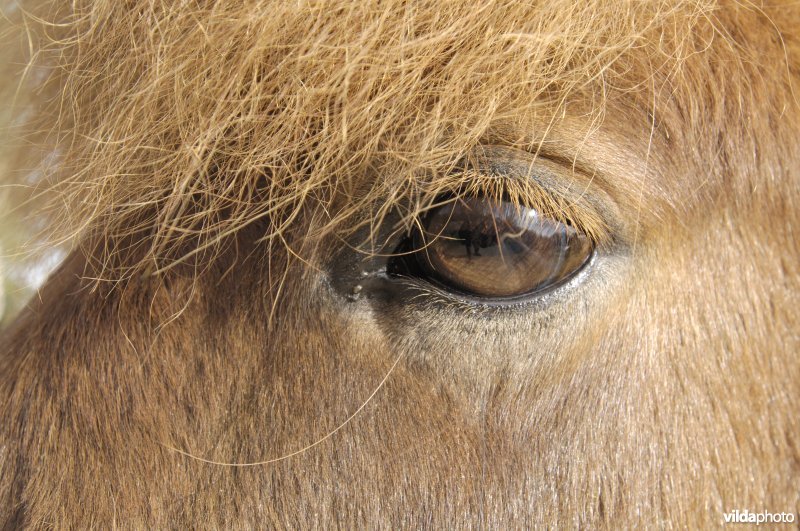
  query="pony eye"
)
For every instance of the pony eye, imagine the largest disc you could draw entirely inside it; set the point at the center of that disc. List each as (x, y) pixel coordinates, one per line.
(495, 250)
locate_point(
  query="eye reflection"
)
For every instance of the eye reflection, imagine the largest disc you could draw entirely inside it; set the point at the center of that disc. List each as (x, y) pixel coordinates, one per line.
(495, 249)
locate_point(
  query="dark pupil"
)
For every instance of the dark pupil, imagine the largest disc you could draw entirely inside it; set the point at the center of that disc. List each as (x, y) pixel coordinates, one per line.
(495, 249)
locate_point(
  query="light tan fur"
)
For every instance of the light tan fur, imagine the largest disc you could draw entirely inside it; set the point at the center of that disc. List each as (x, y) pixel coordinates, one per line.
(216, 162)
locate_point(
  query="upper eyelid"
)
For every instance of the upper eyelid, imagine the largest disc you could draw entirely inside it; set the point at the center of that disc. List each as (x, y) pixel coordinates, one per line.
(564, 194)
(590, 209)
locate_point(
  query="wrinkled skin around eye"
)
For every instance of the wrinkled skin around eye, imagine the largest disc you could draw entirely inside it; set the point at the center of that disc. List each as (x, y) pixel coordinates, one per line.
(497, 250)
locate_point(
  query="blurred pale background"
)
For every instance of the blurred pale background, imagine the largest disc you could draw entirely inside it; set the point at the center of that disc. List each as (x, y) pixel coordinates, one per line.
(22, 271)
(25, 262)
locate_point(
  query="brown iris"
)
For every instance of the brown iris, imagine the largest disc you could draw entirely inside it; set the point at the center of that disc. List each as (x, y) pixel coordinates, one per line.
(496, 249)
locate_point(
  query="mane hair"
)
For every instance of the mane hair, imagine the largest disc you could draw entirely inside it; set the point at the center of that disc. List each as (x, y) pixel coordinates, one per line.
(176, 124)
